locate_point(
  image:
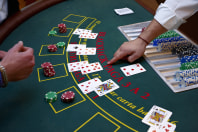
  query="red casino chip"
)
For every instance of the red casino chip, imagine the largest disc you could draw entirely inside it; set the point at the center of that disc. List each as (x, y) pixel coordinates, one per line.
(68, 97)
(48, 69)
(46, 65)
(52, 48)
(62, 28)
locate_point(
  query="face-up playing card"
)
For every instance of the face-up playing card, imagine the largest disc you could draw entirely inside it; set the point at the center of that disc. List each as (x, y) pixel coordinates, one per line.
(78, 31)
(92, 67)
(75, 66)
(88, 35)
(153, 129)
(132, 69)
(86, 51)
(75, 47)
(89, 86)
(106, 87)
(166, 127)
(156, 116)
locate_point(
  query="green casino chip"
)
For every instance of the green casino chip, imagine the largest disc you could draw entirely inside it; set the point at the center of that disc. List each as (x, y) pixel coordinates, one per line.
(51, 97)
(52, 33)
(60, 44)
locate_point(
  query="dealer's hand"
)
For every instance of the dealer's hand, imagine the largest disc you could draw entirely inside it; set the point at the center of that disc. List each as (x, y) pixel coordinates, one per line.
(129, 51)
(18, 62)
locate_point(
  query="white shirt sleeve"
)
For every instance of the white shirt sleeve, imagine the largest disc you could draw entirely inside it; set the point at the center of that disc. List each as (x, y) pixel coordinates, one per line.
(3, 10)
(172, 13)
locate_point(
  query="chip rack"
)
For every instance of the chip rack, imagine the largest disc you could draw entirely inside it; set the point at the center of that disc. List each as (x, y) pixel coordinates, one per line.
(165, 64)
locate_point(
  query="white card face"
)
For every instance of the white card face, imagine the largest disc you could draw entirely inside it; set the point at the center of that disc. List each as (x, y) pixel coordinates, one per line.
(156, 116)
(167, 127)
(88, 35)
(86, 51)
(123, 11)
(153, 129)
(75, 66)
(106, 87)
(75, 47)
(90, 68)
(132, 69)
(78, 31)
(89, 86)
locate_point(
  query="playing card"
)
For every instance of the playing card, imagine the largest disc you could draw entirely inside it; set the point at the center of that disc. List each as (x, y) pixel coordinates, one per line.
(75, 66)
(153, 129)
(86, 51)
(88, 35)
(106, 87)
(156, 116)
(89, 86)
(167, 127)
(123, 11)
(75, 47)
(90, 68)
(132, 69)
(78, 31)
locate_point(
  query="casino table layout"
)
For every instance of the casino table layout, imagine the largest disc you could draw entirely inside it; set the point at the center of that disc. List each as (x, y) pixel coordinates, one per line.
(23, 107)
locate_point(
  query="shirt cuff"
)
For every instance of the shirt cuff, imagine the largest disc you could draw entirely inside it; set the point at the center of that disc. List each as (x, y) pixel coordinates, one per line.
(167, 17)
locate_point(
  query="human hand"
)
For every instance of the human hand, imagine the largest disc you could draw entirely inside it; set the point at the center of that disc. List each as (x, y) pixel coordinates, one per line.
(129, 51)
(2, 54)
(18, 62)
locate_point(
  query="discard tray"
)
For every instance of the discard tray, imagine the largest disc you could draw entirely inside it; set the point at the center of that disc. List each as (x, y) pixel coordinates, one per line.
(164, 63)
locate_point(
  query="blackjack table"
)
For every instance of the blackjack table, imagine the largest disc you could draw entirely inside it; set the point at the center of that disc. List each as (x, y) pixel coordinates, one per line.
(23, 107)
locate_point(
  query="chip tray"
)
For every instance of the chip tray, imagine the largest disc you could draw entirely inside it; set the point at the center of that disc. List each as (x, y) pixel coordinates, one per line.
(164, 63)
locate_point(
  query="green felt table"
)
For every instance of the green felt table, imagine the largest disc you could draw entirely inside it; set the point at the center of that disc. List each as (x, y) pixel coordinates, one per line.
(23, 107)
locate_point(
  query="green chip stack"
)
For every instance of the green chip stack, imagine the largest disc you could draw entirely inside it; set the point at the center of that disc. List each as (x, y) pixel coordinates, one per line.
(189, 65)
(168, 34)
(52, 33)
(51, 97)
(61, 44)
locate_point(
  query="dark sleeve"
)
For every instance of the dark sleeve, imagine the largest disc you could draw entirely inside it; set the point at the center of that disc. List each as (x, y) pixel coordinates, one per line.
(13, 7)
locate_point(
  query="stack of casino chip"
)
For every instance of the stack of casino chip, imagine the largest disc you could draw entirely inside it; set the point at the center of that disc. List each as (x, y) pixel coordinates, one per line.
(68, 97)
(52, 33)
(188, 81)
(60, 44)
(189, 59)
(179, 75)
(51, 97)
(189, 65)
(52, 48)
(182, 48)
(189, 52)
(168, 34)
(48, 69)
(168, 44)
(62, 28)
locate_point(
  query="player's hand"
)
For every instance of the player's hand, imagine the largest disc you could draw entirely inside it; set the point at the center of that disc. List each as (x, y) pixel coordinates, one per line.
(2, 54)
(129, 51)
(18, 62)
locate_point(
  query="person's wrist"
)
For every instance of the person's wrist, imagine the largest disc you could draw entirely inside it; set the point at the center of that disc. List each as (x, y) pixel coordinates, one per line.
(3, 76)
(144, 40)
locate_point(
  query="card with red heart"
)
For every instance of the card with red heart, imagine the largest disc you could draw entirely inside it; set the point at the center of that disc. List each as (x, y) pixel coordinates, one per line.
(132, 69)
(89, 86)
(75, 66)
(90, 68)
(88, 35)
(86, 51)
(166, 127)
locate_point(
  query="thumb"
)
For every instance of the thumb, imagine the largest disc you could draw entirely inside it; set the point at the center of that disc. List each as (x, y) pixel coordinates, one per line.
(17, 47)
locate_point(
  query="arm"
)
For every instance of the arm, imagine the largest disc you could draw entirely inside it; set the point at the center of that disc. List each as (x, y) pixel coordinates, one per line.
(18, 62)
(132, 50)
(169, 15)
